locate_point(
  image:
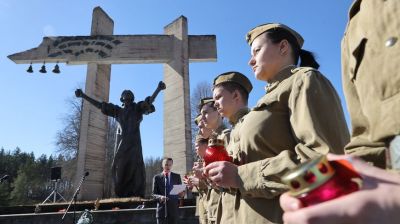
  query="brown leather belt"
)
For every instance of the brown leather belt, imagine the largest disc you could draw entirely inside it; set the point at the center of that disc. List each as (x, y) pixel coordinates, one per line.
(229, 190)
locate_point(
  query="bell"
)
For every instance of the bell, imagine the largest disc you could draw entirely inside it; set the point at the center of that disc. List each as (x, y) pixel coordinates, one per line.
(43, 69)
(56, 69)
(30, 69)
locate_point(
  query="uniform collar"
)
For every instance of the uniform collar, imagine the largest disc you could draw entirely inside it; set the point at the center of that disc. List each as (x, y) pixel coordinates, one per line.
(215, 133)
(219, 129)
(281, 75)
(239, 114)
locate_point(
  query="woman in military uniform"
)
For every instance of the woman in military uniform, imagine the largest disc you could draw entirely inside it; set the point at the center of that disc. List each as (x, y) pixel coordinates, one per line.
(371, 83)
(213, 120)
(195, 180)
(288, 125)
(200, 187)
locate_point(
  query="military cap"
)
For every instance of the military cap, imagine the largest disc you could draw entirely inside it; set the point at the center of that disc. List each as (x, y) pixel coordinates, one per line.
(257, 31)
(205, 101)
(197, 119)
(235, 77)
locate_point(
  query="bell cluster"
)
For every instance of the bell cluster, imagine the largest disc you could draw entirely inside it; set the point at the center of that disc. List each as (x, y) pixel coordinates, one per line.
(55, 70)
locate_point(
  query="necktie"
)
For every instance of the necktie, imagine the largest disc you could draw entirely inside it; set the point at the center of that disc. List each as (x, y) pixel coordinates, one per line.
(167, 183)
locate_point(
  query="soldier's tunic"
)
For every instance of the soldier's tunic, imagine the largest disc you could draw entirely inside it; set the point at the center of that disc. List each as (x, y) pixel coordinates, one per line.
(213, 194)
(201, 202)
(299, 118)
(371, 79)
(227, 202)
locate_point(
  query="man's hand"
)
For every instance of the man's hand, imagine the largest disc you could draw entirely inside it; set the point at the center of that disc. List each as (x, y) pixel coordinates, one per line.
(187, 181)
(223, 174)
(182, 194)
(163, 198)
(198, 169)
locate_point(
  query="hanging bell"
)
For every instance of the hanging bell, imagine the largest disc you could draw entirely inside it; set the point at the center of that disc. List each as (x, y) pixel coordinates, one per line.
(43, 69)
(56, 69)
(30, 69)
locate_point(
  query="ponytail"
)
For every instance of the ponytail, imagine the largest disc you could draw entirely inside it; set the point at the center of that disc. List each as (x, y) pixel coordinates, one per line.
(307, 59)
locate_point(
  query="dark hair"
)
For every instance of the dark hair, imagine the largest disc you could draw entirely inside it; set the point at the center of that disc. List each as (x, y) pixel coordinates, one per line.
(232, 86)
(167, 159)
(307, 59)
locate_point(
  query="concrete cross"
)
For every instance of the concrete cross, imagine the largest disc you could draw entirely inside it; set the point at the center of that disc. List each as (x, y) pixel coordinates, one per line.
(175, 49)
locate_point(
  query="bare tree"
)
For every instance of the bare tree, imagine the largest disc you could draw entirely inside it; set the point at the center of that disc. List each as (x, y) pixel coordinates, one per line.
(153, 167)
(110, 145)
(202, 90)
(67, 140)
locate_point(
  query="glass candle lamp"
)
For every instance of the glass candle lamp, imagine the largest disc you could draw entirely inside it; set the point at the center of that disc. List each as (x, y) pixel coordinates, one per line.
(321, 180)
(216, 152)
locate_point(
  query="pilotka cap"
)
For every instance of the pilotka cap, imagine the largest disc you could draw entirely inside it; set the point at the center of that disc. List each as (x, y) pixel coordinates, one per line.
(257, 31)
(235, 77)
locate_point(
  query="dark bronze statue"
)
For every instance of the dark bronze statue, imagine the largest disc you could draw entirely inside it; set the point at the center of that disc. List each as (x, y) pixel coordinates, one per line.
(128, 170)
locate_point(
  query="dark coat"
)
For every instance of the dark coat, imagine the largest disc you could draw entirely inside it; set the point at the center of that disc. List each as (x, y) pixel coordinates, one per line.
(173, 200)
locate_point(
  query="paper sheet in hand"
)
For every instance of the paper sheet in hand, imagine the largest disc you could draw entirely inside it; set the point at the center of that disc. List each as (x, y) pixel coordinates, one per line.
(177, 189)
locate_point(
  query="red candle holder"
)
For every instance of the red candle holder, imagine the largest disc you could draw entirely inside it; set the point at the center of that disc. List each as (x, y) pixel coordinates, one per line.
(216, 152)
(319, 180)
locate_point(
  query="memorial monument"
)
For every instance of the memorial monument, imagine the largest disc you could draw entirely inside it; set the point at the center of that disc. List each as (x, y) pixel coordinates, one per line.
(175, 49)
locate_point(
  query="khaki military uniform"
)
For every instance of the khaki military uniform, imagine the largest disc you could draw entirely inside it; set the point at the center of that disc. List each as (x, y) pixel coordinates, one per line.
(371, 79)
(201, 189)
(213, 194)
(201, 202)
(226, 205)
(299, 118)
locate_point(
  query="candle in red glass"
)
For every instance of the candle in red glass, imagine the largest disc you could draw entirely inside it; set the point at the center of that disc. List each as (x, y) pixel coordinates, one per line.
(319, 180)
(216, 152)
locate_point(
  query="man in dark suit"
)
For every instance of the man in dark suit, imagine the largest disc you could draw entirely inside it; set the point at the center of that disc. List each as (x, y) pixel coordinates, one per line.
(162, 185)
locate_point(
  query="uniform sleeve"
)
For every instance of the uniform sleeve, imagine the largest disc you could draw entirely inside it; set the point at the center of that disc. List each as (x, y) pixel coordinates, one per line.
(318, 125)
(317, 117)
(360, 144)
(262, 179)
